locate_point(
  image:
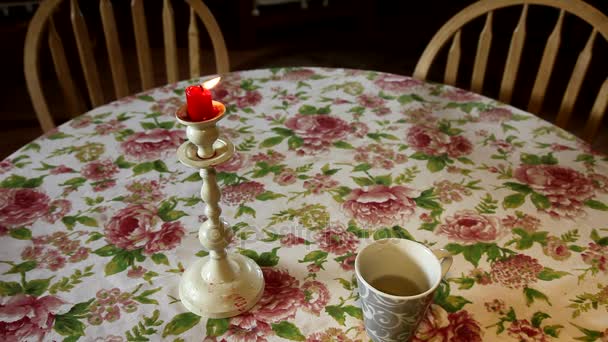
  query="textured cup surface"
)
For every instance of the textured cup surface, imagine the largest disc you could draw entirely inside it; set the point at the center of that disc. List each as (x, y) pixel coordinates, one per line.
(391, 318)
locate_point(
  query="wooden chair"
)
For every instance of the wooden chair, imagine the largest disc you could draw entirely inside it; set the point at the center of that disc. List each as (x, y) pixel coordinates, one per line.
(452, 30)
(43, 22)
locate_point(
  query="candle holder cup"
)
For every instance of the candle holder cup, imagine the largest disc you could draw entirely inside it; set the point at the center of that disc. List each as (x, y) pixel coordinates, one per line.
(221, 284)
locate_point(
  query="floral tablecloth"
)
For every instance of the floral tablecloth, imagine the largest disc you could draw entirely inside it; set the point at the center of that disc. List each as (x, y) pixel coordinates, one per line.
(98, 219)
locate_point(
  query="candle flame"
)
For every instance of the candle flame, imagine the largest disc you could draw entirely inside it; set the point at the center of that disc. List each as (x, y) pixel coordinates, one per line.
(211, 83)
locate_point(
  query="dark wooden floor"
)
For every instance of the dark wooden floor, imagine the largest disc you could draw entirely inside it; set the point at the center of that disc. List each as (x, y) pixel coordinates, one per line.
(386, 36)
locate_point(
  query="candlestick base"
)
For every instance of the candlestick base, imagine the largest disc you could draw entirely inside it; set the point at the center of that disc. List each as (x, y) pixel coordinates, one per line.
(221, 299)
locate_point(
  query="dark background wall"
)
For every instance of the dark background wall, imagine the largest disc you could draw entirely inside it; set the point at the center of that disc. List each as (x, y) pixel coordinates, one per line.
(378, 35)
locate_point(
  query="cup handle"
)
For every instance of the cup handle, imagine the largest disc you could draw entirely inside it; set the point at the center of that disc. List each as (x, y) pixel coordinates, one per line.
(445, 258)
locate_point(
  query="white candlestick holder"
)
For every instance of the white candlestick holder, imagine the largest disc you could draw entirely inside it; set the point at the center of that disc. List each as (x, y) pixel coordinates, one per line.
(221, 284)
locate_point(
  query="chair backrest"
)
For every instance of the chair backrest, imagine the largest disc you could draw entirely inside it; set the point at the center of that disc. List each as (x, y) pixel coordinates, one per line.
(43, 22)
(452, 30)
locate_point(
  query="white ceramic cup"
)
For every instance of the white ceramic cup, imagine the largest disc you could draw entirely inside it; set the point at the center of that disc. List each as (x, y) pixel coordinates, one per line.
(391, 318)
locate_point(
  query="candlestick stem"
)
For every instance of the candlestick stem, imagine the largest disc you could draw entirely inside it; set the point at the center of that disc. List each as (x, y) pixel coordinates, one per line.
(213, 233)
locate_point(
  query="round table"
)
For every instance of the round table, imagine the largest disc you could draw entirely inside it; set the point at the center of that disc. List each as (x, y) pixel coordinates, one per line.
(98, 219)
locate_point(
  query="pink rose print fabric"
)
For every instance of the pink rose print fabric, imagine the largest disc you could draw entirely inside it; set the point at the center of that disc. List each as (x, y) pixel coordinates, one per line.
(153, 144)
(380, 205)
(22, 206)
(431, 141)
(134, 227)
(317, 132)
(565, 188)
(98, 218)
(27, 318)
(469, 227)
(440, 325)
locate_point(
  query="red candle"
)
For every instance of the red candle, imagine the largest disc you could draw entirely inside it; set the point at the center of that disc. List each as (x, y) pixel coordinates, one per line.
(200, 107)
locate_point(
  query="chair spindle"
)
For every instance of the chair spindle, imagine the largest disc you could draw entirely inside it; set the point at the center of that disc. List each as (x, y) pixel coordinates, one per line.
(451, 69)
(513, 57)
(194, 46)
(121, 87)
(546, 66)
(217, 39)
(170, 45)
(481, 58)
(66, 81)
(143, 46)
(597, 113)
(85, 51)
(574, 85)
